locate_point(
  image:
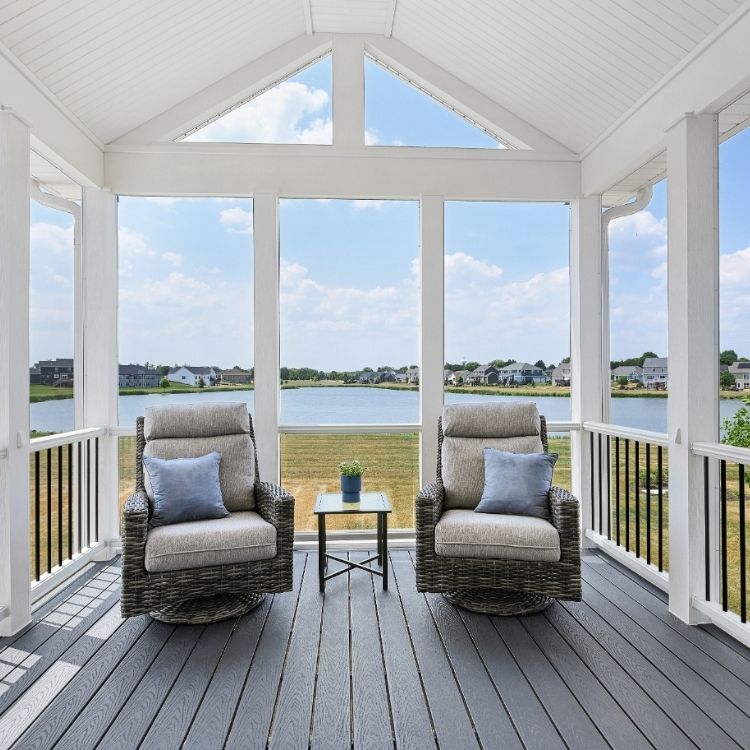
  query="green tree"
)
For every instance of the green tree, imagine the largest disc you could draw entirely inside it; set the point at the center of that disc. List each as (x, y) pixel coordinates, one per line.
(540, 363)
(622, 381)
(726, 380)
(565, 361)
(201, 383)
(470, 366)
(164, 382)
(728, 357)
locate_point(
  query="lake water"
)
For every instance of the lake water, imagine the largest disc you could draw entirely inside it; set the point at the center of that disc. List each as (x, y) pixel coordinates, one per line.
(305, 406)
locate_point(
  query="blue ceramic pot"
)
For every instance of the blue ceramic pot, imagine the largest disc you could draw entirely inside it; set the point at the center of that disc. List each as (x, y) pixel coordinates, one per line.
(350, 488)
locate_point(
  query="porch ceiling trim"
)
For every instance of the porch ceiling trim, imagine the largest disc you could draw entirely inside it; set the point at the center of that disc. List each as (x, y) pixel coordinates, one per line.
(713, 75)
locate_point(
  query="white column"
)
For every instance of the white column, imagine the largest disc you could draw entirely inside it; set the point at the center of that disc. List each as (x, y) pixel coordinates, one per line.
(99, 295)
(14, 373)
(431, 354)
(266, 416)
(693, 409)
(348, 91)
(587, 331)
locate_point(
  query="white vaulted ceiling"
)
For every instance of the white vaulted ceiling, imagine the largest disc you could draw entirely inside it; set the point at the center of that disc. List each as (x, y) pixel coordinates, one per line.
(571, 68)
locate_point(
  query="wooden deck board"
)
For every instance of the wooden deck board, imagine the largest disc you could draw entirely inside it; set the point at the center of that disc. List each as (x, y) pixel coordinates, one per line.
(366, 669)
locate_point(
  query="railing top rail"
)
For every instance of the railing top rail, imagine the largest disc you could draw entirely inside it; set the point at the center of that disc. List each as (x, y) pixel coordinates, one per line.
(630, 433)
(722, 452)
(64, 438)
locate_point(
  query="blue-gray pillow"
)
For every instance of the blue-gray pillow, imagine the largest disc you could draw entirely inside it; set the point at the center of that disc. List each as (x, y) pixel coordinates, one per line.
(517, 483)
(185, 489)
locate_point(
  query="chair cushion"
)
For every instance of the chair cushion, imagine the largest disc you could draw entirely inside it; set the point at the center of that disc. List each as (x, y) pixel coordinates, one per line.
(240, 537)
(517, 483)
(184, 489)
(236, 472)
(462, 461)
(463, 533)
(196, 420)
(491, 420)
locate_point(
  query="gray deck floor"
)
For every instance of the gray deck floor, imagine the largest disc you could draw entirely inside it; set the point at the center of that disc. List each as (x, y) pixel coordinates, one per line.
(365, 668)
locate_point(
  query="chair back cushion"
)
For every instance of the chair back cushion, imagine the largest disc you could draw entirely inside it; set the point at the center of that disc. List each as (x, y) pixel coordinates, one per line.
(192, 430)
(470, 428)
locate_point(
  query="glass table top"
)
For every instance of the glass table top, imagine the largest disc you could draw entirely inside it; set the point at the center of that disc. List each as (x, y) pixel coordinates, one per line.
(369, 502)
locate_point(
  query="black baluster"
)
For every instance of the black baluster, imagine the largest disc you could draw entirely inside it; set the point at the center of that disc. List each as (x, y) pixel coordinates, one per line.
(70, 501)
(617, 488)
(707, 527)
(37, 519)
(724, 577)
(627, 494)
(591, 452)
(599, 458)
(743, 567)
(60, 505)
(648, 503)
(49, 510)
(96, 488)
(660, 521)
(637, 498)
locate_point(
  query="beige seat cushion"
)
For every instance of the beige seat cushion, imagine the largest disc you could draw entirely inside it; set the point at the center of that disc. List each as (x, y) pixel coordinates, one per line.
(464, 533)
(240, 537)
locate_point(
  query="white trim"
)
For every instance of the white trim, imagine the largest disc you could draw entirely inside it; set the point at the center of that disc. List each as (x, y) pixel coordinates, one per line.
(648, 572)
(49, 581)
(729, 622)
(722, 452)
(64, 438)
(307, 11)
(347, 429)
(631, 433)
(390, 17)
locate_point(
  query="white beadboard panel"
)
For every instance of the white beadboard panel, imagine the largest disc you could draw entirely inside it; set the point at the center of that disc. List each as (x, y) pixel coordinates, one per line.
(119, 63)
(349, 16)
(648, 174)
(52, 179)
(735, 117)
(571, 68)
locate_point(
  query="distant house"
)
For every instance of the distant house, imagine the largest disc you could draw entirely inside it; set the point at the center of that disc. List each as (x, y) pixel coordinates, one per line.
(35, 375)
(367, 377)
(138, 376)
(521, 373)
(655, 372)
(633, 373)
(483, 375)
(741, 373)
(561, 374)
(235, 376)
(458, 377)
(188, 375)
(55, 371)
(402, 377)
(413, 375)
(386, 376)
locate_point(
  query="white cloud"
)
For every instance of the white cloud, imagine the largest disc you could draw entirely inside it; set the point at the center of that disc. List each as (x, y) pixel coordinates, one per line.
(373, 139)
(237, 220)
(361, 205)
(459, 264)
(280, 115)
(735, 269)
(640, 224)
(173, 258)
(133, 243)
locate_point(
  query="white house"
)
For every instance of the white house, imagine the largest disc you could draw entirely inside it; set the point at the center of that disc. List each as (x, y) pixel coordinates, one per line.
(189, 375)
(521, 372)
(632, 372)
(561, 375)
(740, 371)
(655, 371)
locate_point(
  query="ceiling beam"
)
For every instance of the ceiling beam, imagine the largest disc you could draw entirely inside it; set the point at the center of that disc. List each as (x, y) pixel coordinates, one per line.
(55, 134)
(241, 85)
(307, 10)
(306, 171)
(447, 88)
(710, 78)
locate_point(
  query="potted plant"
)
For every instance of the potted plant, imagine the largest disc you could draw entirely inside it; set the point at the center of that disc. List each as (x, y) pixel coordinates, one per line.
(351, 480)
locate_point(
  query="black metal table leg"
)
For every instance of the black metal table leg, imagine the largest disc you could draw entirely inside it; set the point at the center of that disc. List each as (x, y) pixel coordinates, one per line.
(384, 547)
(379, 537)
(322, 551)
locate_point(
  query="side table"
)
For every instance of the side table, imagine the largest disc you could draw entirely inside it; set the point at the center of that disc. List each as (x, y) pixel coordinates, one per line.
(370, 502)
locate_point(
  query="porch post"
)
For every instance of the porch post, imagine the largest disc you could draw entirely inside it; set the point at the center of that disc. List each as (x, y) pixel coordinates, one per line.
(15, 566)
(587, 331)
(431, 359)
(693, 408)
(99, 294)
(266, 416)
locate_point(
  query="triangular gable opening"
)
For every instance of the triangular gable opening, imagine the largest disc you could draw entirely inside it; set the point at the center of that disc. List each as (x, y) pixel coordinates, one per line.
(295, 110)
(399, 113)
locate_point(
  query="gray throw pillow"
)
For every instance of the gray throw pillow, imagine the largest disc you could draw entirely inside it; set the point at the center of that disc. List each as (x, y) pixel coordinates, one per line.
(185, 489)
(517, 483)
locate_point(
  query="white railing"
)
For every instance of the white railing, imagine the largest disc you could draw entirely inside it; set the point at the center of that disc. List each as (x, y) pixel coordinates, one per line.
(628, 497)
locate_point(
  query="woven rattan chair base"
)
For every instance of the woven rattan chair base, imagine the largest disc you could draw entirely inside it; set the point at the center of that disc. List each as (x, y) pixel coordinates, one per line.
(504, 602)
(208, 609)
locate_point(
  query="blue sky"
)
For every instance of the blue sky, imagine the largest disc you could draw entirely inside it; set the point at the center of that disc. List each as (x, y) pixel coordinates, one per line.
(349, 269)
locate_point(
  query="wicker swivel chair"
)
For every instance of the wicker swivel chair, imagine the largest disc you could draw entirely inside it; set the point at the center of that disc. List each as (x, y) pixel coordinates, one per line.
(204, 571)
(496, 564)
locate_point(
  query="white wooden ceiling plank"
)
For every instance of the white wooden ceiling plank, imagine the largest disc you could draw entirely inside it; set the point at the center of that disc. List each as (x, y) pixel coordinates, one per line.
(613, 58)
(710, 10)
(613, 38)
(148, 100)
(532, 53)
(102, 26)
(217, 49)
(676, 25)
(580, 55)
(123, 45)
(518, 95)
(640, 35)
(14, 16)
(52, 25)
(723, 6)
